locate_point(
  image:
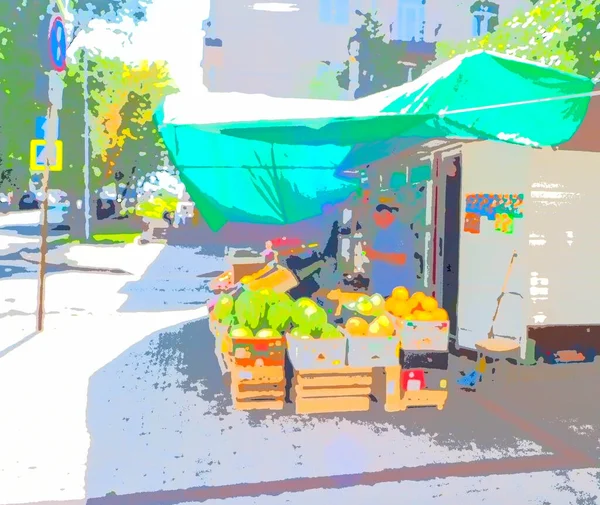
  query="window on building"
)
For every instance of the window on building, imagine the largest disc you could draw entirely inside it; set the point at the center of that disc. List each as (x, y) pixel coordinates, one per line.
(485, 17)
(334, 11)
(410, 22)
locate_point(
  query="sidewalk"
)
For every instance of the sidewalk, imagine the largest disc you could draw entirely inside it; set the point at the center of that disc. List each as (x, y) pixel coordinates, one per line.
(45, 440)
(132, 259)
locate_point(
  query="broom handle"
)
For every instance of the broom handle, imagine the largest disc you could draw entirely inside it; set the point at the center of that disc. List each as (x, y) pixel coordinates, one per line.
(508, 271)
(504, 286)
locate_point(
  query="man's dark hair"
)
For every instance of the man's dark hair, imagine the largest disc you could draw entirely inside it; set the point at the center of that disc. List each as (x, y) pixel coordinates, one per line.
(382, 206)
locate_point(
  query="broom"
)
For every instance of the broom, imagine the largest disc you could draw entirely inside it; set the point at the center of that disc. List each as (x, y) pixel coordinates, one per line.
(470, 379)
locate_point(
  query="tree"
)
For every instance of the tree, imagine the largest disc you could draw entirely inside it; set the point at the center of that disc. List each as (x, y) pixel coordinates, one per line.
(72, 125)
(561, 33)
(23, 95)
(379, 60)
(125, 140)
(3, 40)
(125, 143)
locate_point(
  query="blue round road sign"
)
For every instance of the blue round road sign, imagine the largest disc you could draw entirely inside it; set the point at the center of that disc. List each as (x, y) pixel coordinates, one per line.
(57, 44)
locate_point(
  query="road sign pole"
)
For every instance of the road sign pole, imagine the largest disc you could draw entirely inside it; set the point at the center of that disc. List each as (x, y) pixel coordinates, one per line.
(86, 170)
(50, 156)
(57, 46)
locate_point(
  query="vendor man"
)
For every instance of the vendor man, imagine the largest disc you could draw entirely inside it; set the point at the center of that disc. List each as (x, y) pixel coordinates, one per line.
(391, 253)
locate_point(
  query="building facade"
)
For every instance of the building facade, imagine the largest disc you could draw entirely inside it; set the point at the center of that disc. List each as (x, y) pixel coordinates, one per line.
(296, 49)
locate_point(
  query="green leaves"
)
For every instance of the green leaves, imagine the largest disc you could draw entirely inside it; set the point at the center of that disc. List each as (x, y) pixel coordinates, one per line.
(21, 95)
(564, 34)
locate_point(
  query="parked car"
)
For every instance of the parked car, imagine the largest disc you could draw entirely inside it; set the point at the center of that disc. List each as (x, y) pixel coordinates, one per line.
(58, 206)
(29, 201)
(5, 201)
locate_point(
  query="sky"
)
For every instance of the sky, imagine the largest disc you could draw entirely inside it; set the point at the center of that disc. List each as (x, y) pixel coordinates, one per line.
(172, 32)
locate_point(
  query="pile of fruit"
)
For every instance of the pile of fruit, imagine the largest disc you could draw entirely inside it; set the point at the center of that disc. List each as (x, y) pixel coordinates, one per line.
(368, 305)
(310, 321)
(415, 307)
(266, 314)
(374, 308)
(261, 314)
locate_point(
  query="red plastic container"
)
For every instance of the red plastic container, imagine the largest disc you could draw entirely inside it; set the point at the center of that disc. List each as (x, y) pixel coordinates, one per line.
(408, 376)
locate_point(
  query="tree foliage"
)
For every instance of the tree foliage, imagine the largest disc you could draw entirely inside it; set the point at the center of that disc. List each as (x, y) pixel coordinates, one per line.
(125, 102)
(561, 33)
(379, 59)
(23, 94)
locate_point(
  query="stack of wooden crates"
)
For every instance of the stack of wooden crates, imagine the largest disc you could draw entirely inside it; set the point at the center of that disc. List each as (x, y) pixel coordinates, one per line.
(344, 389)
(257, 369)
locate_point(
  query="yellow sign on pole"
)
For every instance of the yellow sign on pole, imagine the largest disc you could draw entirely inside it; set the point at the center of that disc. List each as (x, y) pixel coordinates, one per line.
(35, 148)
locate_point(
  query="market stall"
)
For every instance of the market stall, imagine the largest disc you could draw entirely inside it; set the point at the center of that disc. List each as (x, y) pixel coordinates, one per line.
(333, 362)
(292, 165)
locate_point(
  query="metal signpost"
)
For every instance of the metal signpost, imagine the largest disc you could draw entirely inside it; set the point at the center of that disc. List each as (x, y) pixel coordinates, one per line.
(86, 136)
(51, 148)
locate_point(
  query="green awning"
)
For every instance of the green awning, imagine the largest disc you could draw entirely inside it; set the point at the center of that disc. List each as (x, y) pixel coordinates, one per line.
(265, 160)
(480, 95)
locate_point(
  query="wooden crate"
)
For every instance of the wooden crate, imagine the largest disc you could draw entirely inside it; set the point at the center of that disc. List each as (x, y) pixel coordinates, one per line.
(260, 352)
(336, 390)
(423, 398)
(397, 399)
(257, 388)
(392, 388)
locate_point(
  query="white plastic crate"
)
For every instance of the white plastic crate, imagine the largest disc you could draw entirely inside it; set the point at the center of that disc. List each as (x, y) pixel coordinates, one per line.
(315, 353)
(424, 335)
(366, 352)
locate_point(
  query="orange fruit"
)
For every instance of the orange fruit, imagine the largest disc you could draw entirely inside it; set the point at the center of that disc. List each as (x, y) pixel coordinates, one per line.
(390, 304)
(401, 309)
(357, 326)
(429, 304)
(419, 296)
(400, 293)
(425, 316)
(439, 315)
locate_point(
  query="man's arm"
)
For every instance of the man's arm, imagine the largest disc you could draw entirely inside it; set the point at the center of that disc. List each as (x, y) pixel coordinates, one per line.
(392, 258)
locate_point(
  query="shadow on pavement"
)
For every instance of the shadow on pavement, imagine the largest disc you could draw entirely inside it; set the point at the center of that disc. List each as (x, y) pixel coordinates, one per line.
(18, 344)
(160, 418)
(177, 279)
